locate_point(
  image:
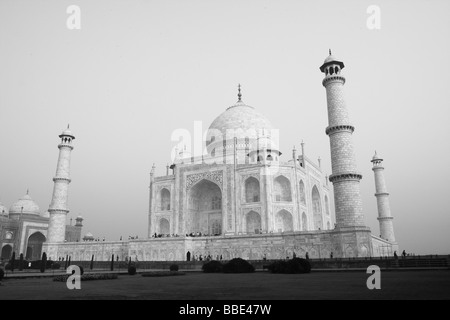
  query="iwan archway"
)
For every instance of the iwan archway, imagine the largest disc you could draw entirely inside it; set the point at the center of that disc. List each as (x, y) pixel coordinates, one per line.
(204, 209)
(34, 246)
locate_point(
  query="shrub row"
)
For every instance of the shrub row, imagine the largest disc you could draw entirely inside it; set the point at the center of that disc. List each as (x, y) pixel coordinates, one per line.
(236, 265)
(88, 277)
(162, 274)
(295, 265)
(37, 264)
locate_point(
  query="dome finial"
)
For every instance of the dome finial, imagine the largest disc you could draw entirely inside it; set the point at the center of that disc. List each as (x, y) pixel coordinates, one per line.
(239, 93)
(28, 190)
(329, 51)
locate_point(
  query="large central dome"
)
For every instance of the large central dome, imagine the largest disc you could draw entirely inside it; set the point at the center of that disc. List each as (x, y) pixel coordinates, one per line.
(240, 118)
(239, 121)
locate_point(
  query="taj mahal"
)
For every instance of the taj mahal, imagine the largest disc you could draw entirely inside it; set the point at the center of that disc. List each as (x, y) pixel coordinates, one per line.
(243, 198)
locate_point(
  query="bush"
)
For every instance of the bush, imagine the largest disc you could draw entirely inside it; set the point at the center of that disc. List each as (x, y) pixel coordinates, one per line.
(2, 274)
(56, 266)
(43, 262)
(278, 267)
(131, 270)
(212, 267)
(173, 267)
(238, 265)
(295, 265)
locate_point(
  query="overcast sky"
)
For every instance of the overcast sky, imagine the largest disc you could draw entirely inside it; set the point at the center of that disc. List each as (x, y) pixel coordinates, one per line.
(138, 70)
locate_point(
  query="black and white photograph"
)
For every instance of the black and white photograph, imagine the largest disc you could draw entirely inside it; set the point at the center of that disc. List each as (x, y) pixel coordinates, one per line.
(220, 158)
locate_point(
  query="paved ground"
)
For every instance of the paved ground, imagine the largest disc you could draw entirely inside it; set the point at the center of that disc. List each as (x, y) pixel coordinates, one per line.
(259, 286)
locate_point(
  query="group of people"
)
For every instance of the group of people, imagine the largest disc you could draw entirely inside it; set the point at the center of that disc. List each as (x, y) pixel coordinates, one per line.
(403, 254)
(164, 235)
(199, 234)
(207, 258)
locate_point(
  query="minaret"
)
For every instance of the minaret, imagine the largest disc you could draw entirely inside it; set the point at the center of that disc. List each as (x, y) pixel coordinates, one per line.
(384, 211)
(150, 203)
(79, 226)
(345, 177)
(58, 207)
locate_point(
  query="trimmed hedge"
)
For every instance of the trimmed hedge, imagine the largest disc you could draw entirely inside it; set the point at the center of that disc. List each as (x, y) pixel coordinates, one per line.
(2, 274)
(173, 267)
(162, 274)
(35, 264)
(131, 270)
(56, 266)
(213, 267)
(238, 265)
(295, 265)
(89, 277)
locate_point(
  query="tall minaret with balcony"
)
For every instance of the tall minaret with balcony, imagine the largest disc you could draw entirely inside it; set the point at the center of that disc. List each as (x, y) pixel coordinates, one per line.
(345, 177)
(58, 207)
(384, 210)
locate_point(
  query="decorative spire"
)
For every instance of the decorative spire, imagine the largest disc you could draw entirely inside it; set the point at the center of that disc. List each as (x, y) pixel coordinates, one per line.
(28, 191)
(239, 93)
(68, 125)
(329, 51)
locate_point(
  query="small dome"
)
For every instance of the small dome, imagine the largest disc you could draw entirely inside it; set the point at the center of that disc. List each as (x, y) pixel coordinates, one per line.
(24, 205)
(3, 210)
(79, 218)
(330, 58)
(67, 132)
(88, 237)
(266, 142)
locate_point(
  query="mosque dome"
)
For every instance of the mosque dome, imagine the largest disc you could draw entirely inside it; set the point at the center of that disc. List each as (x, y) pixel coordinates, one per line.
(88, 237)
(241, 119)
(3, 210)
(24, 205)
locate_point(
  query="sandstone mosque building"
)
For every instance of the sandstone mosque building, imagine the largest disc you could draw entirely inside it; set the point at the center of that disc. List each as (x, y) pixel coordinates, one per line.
(242, 200)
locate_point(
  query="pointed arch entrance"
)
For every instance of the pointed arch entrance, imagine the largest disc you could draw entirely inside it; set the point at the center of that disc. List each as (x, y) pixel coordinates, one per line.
(34, 246)
(6, 252)
(284, 221)
(204, 209)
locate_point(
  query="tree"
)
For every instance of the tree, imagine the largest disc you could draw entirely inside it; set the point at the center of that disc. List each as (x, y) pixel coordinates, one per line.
(13, 261)
(21, 262)
(43, 262)
(92, 263)
(112, 262)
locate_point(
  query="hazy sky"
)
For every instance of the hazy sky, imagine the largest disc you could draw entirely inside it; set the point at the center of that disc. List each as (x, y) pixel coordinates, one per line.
(138, 70)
